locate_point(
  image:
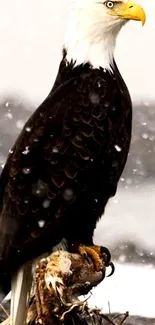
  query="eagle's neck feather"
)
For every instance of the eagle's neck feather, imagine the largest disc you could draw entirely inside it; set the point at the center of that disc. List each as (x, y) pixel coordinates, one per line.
(97, 54)
(89, 40)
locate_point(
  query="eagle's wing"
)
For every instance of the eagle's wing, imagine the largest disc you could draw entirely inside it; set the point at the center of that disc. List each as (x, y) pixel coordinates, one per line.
(54, 169)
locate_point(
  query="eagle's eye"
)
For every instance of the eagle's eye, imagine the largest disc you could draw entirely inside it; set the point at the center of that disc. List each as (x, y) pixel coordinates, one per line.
(109, 4)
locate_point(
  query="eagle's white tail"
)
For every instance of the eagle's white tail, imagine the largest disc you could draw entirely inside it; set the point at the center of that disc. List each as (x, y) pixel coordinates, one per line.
(20, 293)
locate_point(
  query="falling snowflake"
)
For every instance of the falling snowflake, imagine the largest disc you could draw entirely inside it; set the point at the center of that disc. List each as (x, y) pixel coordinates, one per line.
(28, 129)
(55, 149)
(35, 139)
(122, 258)
(46, 204)
(129, 181)
(26, 151)
(68, 194)
(146, 104)
(20, 124)
(106, 104)
(138, 162)
(145, 136)
(151, 137)
(117, 148)
(41, 223)
(94, 98)
(9, 115)
(7, 104)
(26, 171)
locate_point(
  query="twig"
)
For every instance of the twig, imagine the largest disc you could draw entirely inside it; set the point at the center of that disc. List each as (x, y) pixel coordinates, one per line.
(124, 318)
(109, 308)
(5, 311)
(108, 319)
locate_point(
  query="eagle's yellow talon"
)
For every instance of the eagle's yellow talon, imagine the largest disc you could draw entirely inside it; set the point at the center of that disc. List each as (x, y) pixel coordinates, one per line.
(93, 253)
(99, 255)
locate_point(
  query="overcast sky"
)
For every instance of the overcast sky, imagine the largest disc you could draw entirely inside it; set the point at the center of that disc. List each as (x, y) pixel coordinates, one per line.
(31, 34)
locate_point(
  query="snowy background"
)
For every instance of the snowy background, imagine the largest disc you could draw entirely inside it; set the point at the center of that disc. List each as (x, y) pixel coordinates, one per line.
(31, 37)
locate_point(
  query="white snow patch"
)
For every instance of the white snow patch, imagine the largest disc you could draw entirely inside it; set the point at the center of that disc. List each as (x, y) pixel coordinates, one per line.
(131, 288)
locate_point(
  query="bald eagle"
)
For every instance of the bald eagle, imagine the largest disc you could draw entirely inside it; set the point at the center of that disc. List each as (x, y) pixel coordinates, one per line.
(67, 161)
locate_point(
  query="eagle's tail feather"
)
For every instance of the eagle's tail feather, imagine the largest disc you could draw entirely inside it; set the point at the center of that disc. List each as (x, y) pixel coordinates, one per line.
(20, 293)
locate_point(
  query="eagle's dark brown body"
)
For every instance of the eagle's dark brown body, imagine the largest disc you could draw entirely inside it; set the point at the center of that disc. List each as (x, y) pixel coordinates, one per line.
(65, 165)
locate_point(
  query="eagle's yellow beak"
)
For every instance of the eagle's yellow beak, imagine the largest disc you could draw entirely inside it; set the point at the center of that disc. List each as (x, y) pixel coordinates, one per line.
(129, 10)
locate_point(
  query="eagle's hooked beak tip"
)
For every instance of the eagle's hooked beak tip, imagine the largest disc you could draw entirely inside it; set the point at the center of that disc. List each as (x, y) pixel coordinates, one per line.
(130, 11)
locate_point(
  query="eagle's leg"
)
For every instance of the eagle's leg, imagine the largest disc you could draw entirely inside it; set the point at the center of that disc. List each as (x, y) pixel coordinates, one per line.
(99, 255)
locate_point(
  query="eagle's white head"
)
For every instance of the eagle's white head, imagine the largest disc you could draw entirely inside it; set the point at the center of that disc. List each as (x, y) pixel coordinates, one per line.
(93, 27)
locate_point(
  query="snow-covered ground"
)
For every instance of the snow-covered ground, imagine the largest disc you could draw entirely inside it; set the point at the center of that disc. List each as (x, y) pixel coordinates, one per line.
(130, 216)
(131, 288)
